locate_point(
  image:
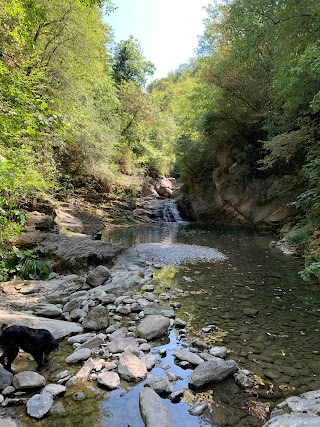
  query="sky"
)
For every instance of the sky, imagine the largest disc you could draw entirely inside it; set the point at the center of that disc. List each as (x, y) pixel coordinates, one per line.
(167, 30)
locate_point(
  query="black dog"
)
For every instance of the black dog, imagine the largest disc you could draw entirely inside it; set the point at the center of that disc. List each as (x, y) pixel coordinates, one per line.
(33, 341)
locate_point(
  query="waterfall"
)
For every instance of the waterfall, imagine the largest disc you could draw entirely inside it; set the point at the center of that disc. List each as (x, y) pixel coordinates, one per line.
(168, 211)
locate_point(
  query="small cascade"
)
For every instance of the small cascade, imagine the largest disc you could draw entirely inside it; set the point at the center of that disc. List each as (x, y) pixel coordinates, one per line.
(168, 211)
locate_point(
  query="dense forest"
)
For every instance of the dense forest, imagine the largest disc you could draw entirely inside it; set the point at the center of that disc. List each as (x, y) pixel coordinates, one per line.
(76, 112)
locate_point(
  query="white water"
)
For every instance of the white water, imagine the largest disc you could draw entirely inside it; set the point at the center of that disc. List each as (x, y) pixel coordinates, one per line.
(168, 211)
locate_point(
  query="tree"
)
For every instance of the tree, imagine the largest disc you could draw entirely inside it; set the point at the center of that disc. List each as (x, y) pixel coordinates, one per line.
(129, 63)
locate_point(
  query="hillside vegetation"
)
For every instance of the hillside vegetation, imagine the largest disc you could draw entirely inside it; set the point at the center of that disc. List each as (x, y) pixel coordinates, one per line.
(74, 110)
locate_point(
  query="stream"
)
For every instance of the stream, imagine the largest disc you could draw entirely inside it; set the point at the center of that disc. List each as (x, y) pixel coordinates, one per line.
(267, 317)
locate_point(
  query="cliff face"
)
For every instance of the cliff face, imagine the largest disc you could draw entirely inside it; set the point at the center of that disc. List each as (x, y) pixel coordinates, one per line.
(258, 204)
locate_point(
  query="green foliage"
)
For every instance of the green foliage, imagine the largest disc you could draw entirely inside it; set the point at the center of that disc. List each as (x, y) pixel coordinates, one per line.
(298, 237)
(129, 64)
(24, 264)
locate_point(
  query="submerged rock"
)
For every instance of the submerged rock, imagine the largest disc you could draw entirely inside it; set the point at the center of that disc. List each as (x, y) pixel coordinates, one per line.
(153, 410)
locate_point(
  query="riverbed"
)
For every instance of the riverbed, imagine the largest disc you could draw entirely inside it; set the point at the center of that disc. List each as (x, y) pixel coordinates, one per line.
(262, 311)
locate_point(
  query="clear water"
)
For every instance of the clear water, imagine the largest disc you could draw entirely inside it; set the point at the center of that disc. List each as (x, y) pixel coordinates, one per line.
(280, 343)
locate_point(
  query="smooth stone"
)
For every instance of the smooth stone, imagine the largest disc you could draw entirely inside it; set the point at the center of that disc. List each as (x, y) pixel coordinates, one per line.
(198, 409)
(212, 371)
(153, 411)
(188, 356)
(8, 390)
(8, 422)
(81, 338)
(179, 323)
(79, 355)
(157, 309)
(149, 360)
(120, 344)
(160, 385)
(97, 318)
(28, 379)
(71, 305)
(153, 326)
(39, 405)
(294, 420)
(219, 352)
(6, 378)
(47, 310)
(176, 395)
(54, 389)
(110, 380)
(131, 368)
(98, 276)
(94, 342)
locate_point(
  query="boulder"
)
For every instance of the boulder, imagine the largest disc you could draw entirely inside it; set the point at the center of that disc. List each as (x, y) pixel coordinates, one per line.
(214, 370)
(47, 310)
(131, 368)
(58, 328)
(39, 405)
(153, 326)
(28, 380)
(74, 253)
(294, 420)
(110, 380)
(94, 342)
(120, 344)
(157, 309)
(98, 276)
(6, 378)
(219, 352)
(153, 410)
(160, 385)
(97, 318)
(188, 356)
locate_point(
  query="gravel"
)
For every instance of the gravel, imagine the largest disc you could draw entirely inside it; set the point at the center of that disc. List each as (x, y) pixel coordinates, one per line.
(171, 254)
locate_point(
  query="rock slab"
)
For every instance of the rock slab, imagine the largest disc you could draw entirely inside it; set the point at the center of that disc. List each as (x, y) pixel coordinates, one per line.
(153, 411)
(39, 405)
(215, 370)
(27, 380)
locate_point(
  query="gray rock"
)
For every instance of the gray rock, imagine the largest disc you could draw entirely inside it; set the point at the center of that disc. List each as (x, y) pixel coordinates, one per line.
(187, 356)
(8, 390)
(198, 409)
(78, 313)
(119, 333)
(8, 422)
(219, 352)
(120, 344)
(123, 309)
(72, 305)
(176, 395)
(131, 368)
(112, 328)
(179, 323)
(149, 360)
(54, 389)
(110, 380)
(94, 342)
(58, 328)
(28, 380)
(57, 408)
(47, 310)
(153, 326)
(6, 378)
(145, 347)
(39, 405)
(98, 276)
(243, 380)
(294, 420)
(157, 309)
(81, 338)
(212, 371)
(160, 385)
(79, 355)
(97, 318)
(72, 254)
(153, 410)
(107, 298)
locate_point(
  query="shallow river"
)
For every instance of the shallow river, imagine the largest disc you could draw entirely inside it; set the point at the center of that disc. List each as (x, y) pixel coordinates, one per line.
(280, 343)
